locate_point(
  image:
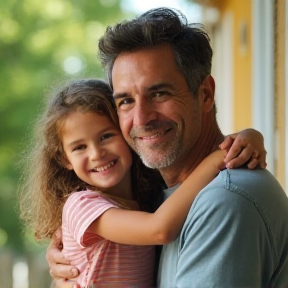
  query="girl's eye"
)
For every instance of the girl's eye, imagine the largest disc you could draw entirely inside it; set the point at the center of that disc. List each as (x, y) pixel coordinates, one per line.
(107, 136)
(79, 148)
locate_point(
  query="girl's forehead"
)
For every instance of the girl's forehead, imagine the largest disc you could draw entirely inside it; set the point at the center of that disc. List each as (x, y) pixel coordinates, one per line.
(80, 118)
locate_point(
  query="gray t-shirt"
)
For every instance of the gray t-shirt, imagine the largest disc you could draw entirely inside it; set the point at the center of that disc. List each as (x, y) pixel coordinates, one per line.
(235, 235)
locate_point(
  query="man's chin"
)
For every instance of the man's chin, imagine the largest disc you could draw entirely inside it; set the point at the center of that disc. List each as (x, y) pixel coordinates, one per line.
(156, 162)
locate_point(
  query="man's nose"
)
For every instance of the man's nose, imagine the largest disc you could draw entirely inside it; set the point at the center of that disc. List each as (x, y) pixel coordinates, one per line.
(144, 111)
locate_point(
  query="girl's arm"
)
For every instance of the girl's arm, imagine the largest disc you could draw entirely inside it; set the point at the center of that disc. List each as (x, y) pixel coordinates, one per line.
(163, 226)
(246, 146)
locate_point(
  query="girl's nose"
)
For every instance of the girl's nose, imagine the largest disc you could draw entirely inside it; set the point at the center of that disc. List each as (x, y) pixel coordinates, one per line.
(97, 152)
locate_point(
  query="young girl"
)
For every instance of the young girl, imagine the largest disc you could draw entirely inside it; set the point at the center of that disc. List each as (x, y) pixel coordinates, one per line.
(81, 164)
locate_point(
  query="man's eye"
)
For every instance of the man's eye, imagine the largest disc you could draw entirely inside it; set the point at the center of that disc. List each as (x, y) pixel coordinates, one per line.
(124, 103)
(159, 94)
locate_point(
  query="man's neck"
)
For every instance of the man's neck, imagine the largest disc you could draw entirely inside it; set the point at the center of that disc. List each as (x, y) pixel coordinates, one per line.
(179, 171)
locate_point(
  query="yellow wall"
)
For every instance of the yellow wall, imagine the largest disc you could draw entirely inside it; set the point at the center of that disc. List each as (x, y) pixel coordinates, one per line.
(241, 11)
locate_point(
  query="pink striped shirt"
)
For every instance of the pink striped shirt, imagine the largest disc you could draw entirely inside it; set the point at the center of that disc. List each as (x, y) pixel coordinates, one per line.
(122, 265)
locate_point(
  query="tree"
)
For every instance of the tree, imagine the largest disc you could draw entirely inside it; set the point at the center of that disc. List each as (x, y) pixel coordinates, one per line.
(42, 43)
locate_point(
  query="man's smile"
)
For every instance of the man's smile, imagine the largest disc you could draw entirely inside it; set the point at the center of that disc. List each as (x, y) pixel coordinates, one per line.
(154, 136)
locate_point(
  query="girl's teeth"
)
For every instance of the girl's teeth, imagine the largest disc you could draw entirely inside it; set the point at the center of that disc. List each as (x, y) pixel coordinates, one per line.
(100, 169)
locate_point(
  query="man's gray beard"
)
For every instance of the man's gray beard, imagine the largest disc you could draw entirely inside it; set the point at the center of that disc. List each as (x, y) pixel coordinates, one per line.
(166, 161)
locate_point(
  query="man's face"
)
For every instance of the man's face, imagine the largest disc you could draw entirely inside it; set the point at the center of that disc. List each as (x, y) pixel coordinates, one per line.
(159, 117)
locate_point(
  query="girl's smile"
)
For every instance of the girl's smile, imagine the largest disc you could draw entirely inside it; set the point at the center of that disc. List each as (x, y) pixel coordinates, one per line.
(97, 152)
(103, 168)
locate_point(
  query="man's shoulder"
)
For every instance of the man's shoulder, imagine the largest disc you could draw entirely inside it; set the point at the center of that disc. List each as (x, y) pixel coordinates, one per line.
(247, 183)
(243, 191)
(241, 212)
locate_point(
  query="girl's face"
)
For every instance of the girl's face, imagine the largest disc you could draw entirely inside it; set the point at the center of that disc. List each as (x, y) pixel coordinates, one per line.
(96, 150)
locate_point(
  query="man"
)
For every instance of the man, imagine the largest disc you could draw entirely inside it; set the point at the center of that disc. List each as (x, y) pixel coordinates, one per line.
(236, 233)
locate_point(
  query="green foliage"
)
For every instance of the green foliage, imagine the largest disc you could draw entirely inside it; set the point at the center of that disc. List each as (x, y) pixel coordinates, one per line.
(36, 38)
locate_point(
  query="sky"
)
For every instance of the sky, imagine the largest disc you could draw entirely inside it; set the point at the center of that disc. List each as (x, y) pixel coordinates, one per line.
(190, 10)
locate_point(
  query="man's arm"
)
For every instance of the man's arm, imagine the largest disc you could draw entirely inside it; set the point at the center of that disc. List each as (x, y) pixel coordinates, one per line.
(59, 266)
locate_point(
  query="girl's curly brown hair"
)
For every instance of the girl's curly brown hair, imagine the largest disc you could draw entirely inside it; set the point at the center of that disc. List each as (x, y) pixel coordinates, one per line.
(46, 182)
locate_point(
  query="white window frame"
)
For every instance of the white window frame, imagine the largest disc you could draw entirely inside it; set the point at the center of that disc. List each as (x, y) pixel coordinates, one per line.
(286, 98)
(222, 71)
(263, 74)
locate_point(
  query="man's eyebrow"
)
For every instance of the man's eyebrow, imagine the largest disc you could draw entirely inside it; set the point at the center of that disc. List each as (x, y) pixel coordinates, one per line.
(120, 95)
(153, 87)
(159, 86)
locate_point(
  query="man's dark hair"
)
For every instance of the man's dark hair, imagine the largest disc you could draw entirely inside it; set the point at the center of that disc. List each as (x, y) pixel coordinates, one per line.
(190, 43)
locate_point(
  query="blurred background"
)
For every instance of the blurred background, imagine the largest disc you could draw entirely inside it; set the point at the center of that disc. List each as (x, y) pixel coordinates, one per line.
(43, 43)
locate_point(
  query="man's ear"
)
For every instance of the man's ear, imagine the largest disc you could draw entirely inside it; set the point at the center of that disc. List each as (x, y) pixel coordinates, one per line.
(207, 93)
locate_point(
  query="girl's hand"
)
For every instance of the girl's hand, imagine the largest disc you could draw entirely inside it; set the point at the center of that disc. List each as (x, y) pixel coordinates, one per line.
(247, 146)
(213, 163)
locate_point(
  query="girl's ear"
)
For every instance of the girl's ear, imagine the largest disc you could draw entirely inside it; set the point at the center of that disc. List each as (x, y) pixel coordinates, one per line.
(67, 164)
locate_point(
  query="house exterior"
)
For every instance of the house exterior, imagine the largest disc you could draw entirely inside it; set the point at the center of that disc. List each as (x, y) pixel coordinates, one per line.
(250, 43)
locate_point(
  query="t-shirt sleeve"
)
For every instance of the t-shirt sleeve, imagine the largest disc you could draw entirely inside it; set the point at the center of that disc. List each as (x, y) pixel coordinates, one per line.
(81, 209)
(222, 243)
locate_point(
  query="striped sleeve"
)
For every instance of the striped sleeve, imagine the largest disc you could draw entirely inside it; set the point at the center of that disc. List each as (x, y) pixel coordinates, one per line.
(81, 209)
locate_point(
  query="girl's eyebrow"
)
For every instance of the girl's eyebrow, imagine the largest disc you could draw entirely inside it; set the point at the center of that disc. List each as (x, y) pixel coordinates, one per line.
(73, 143)
(110, 128)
